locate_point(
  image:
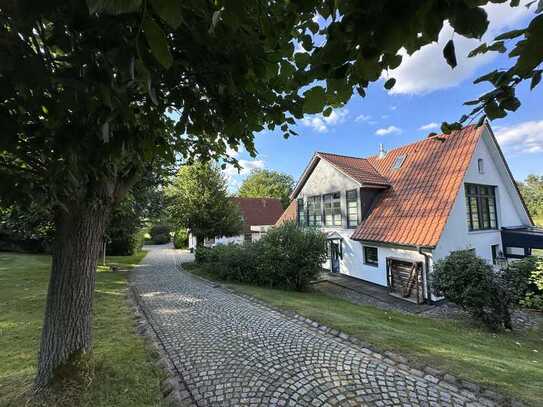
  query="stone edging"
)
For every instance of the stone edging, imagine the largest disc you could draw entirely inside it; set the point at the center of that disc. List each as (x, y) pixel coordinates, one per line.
(485, 396)
(174, 390)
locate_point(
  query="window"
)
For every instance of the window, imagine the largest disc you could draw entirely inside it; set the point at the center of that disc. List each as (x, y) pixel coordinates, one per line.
(370, 256)
(398, 162)
(495, 248)
(314, 215)
(332, 209)
(352, 209)
(481, 166)
(301, 212)
(481, 207)
(248, 237)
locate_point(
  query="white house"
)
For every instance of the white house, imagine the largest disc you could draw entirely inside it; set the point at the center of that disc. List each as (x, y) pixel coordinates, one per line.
(389, 217)
(259, 215)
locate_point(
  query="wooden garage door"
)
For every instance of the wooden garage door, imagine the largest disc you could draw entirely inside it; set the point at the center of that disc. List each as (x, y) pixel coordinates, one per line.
(405, 279)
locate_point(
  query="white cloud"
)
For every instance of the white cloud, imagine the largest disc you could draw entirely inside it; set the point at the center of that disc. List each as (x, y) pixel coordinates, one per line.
(388, 130)
(322, 124)
(525, 137)
(429, 126)
(246, 167)
(426, 70)
(393, 107)
(362, 118)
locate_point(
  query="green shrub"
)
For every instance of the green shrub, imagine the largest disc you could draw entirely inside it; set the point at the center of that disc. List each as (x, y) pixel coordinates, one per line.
(291, 256)
(518, 275)
(160, 234)
(181, 239)
(287, 257)
(474, 285)
(534, 295)
(205, 255)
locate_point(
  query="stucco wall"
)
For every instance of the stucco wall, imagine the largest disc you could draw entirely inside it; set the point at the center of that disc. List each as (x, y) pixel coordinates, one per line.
(456, 235)
(326, 179)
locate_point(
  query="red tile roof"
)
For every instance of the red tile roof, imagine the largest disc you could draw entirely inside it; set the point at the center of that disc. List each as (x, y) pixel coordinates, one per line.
(259, 211)
(289, 213)
(358, 169)
(416, 207)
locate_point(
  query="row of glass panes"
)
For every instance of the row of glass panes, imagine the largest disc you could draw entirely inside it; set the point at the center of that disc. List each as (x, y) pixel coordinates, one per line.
(331, 210)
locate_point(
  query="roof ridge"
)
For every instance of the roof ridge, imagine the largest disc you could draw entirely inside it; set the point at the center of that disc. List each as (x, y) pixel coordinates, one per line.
(435, 137)
(341, 155)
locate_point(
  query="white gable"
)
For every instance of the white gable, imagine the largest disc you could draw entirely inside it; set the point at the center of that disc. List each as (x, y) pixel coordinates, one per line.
(510, 210)
(325, 178)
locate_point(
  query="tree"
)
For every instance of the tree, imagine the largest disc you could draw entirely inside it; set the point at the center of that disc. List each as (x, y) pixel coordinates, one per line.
(532, 192)
(198, 200)
(92, 90)
(267, 184)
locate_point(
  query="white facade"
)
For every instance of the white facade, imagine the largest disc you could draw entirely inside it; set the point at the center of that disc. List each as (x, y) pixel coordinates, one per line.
(510, 211)
(257, 232)
(325, 178)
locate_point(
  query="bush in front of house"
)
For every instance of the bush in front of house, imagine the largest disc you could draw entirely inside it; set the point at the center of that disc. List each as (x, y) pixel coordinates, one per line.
(160, 234)
(181, 239)
(474, 285)
(533, 297)
(286, 257)
(291, 257)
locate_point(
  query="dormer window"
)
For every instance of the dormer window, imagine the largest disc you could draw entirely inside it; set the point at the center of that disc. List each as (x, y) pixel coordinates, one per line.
(398, 162)
(481, 166)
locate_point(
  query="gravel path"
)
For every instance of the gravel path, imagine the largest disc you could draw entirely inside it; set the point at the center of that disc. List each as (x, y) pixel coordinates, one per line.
(233, 352)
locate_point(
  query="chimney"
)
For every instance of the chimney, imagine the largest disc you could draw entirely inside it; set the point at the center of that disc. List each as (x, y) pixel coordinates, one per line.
(382, 152)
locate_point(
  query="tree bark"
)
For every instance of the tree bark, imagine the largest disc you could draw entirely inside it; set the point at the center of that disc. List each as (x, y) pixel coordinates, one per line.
(66, 335)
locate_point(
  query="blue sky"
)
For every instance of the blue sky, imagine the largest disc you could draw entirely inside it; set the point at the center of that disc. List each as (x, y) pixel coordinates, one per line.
(427, 92)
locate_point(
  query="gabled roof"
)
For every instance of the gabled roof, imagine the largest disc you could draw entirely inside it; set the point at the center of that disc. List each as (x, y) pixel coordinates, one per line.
(415, 209)
(259, 211)
(358, 169)
(289, 213)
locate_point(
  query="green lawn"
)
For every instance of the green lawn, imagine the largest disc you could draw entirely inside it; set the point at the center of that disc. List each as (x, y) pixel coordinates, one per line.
(125, 375)
(512, 362)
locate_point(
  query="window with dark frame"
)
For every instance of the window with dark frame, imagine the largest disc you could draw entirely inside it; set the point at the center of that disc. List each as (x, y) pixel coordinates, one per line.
(352, 209)
(301, 212)
(314, 214)
(332, 209)
(481, 166)
(370, 256)
(481, 207)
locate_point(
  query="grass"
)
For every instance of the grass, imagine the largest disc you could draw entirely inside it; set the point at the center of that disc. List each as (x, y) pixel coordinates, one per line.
(125, 375)
(511, 362)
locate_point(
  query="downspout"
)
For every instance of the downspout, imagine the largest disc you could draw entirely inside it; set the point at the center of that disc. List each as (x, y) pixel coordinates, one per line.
(426, 275)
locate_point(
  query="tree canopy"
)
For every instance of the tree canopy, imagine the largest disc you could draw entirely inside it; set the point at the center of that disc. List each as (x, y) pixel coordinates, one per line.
(198, 200)
(532, 192)
(262, 183)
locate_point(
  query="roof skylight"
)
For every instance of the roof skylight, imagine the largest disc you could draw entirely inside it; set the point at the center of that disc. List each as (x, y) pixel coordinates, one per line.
(398, 162)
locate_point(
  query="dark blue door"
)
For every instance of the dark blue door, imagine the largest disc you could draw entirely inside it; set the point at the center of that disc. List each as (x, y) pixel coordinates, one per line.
(334, 254)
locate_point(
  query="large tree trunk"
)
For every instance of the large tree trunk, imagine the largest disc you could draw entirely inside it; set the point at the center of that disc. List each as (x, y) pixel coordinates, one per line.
(66, 335)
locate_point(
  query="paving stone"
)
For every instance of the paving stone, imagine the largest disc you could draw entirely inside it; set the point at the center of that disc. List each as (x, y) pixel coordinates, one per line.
(231, 351)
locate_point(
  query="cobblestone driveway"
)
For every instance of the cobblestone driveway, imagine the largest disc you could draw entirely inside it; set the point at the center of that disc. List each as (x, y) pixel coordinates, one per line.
(233, 352)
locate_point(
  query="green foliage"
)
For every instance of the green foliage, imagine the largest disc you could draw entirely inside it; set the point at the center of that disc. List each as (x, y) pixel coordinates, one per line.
(292, 256)
(287, 257)
(198, 201)
(524, 46)
(123, 228)
(160, 234)
(267, 184)
(471, 283)
(534, 293)
(532, 192)
(26, 229)
(181, 238)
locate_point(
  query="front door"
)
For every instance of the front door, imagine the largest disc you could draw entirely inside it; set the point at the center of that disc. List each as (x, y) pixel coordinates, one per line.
(334, 255)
